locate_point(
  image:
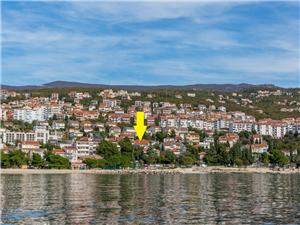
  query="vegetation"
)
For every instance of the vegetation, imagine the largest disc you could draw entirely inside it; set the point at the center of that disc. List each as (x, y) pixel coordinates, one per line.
(95, 163)
(56, 161)
(202, 96)
(17, 159)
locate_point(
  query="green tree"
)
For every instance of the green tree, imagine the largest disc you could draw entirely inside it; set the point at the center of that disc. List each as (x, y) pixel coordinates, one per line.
(118, 161)
(238, 162)
(212, 158)
(17, 158)
(186, 160)
(278, 158)
(167, 157)
(265, 158)
(4, 159)
(160, 136)
(173, 134)
(194, 152)
(107, 149)
(56, 161)
(127, 148)
(297, 160)
(95, 163)
(150, 157)
(247, 158)
(37, 160)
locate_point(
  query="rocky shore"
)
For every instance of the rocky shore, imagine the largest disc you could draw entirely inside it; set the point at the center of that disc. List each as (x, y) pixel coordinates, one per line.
(194, 170)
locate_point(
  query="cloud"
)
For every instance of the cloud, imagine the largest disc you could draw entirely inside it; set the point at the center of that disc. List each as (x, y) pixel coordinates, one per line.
(151, 43)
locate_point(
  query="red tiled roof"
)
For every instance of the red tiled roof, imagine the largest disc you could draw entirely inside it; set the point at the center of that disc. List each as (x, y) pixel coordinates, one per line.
(30, 143)
(58, 151)
(142, 142)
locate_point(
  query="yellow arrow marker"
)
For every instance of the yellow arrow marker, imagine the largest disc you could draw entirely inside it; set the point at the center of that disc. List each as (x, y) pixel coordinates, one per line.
(140, 128)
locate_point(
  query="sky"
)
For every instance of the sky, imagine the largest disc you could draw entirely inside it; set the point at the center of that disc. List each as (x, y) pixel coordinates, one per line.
(151, 43)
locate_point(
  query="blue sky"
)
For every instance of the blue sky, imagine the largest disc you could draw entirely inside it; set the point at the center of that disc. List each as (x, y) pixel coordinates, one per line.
(151, 42)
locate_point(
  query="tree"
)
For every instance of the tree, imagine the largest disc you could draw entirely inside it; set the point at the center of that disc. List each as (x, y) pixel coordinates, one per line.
(107, 149)
(202, 135)
(95, 163)
(126, 147)
(245, 137)
(234, 153)
(138, 152)
(212, 158)
(244, 134)
(298, 158)
(265, 158)
(150, 157)
(37, 160)
(223, 153)
(54, 117)
(17, 158)
(160, 136)
(125, 161)
(247, 158)
(4, 158)
(118, 161)
(156, 121)
(167, 157)
(278, 158)
(56, 161)
(238, 162)
(194, 152)
(186, 161)
(173, 134)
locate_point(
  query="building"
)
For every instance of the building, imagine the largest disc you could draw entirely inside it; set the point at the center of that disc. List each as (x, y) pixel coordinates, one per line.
(259, 148)
(85, 146)
(31, 147)
(38, 134)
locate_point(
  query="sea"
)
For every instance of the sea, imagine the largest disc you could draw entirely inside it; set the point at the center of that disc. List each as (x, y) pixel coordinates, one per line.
(215, 198)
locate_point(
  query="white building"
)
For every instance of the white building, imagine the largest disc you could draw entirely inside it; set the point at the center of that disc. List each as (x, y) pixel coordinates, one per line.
(238, 126)
(85, 146)
(27, 114)
(38, 134)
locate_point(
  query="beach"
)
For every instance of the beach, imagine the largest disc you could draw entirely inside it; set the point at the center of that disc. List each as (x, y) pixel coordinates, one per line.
(194, 170)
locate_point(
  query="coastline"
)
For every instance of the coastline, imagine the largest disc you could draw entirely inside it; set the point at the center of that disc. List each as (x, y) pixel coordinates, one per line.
(194, 170)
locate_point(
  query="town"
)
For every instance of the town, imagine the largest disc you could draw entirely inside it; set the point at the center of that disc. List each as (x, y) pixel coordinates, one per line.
(81, 130)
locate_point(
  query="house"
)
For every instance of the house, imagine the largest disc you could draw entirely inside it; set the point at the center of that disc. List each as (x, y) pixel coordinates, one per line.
(145, 144)
(205, 144)
(58, 124)
(128, 130)
(85, 146)
(32, 147)
(230, 138)
(100, 126)
(192, 138)
(114, 131)
(87, 126)
(257, 139)
(191, 95)
(71, 153)
(74, 124)
(150, 120)
(172, 145)
(222, 108)
(259, 148)
(59, 151)
(153, 130)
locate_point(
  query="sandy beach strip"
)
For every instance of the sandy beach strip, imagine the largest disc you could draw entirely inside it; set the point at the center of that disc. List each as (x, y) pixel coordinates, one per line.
(194, 170)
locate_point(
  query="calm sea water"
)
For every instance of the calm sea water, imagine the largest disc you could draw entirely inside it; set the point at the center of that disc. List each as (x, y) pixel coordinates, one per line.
(150, 199)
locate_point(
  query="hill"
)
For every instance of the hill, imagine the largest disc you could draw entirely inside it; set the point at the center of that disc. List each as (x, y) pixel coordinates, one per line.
(213, 87)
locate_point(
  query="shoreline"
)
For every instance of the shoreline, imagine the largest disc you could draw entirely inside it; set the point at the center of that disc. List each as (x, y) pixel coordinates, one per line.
(194, 170)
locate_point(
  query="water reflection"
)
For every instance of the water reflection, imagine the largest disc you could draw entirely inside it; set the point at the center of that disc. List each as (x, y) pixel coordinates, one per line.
(150, 199)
